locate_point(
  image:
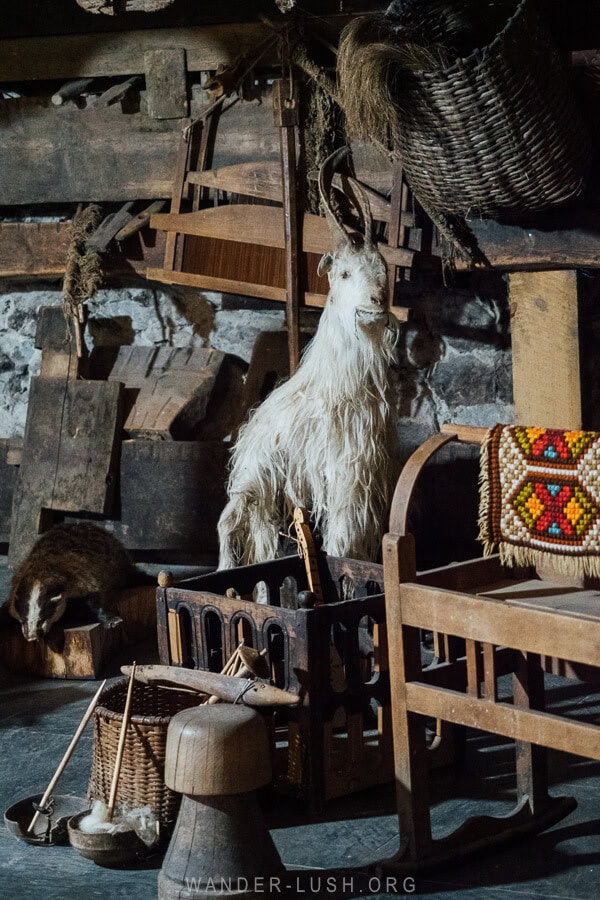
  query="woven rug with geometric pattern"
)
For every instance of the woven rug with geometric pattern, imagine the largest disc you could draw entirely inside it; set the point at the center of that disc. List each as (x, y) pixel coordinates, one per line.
(540, 497)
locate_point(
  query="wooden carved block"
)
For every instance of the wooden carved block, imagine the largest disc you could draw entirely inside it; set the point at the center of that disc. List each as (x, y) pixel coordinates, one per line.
(90, 651)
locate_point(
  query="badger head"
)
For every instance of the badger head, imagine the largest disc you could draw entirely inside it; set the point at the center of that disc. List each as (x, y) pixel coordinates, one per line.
(37, 607)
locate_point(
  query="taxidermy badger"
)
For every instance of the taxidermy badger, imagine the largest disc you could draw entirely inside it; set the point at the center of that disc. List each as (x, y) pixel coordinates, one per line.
(74, 562)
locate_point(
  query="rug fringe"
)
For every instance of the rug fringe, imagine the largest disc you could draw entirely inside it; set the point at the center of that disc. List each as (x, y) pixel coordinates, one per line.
(484, 497)
(570, 566)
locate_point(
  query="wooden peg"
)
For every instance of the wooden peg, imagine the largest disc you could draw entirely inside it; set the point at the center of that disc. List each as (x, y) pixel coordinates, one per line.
(121, 746)
(68, 754)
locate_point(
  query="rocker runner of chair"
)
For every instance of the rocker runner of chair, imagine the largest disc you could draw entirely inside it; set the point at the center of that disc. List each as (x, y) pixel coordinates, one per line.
(488, 624)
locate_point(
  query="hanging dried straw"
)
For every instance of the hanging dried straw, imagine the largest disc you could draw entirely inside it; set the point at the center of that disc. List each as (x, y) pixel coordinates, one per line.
(374, 58)
(82, 272)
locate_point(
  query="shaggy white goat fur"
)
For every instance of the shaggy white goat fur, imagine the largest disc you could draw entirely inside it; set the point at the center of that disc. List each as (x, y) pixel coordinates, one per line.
(322, 439)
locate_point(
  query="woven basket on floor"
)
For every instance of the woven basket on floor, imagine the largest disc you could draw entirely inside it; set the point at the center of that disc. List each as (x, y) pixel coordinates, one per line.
(141, 782)
(495, 131)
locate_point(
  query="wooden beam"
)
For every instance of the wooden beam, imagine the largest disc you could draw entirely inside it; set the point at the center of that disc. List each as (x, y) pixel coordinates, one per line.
(212, 283)
(568, 241)
(243, 223)
(70, 159)
(264, 291)
(115, 92)
(531, 726)
(71, 91)
(545, 349)
(39, 250)
(94, 55)
(566, 636)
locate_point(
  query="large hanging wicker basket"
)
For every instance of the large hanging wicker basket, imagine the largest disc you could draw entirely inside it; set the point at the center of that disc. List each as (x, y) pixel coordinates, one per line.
(141, 782)
(497, 131)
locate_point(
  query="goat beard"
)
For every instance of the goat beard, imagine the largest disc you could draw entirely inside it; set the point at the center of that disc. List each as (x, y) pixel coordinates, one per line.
(323, 440)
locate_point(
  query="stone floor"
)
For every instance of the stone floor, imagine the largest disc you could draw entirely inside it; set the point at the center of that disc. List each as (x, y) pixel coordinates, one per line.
(38, 718)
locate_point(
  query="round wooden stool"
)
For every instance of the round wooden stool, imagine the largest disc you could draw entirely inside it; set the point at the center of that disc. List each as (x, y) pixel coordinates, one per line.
(217, 756)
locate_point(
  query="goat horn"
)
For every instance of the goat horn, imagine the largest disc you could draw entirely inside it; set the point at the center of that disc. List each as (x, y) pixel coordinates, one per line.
(362, 204)
(325, 178)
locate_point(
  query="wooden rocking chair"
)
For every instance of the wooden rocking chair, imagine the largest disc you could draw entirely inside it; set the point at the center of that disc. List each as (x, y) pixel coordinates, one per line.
(486, 624)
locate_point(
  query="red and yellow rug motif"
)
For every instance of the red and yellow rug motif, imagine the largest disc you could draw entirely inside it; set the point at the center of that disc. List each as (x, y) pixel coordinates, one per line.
(540, 497)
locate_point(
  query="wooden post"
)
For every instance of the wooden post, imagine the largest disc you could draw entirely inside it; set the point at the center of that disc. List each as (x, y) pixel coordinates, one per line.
(532, 767)
(179, 185)
(545, 348)
(410, 751)
(286, 117)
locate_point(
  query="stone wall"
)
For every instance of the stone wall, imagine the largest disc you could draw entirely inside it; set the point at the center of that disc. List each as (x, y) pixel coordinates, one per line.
(140, 315)
(454, 366)
(454, 356)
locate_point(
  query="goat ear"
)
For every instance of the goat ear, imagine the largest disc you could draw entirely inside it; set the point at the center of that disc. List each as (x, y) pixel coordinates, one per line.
(325, 264)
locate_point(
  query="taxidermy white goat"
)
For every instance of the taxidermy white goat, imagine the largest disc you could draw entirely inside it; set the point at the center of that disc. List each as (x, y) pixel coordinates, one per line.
(324, 438)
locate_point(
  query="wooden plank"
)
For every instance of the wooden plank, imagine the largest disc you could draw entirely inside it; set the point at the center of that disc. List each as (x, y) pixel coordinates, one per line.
(545, 349)
(250, 179)
(58, 345)
(114, 92)
(243, 223)
(174, 388)
(166, 83)
(89, 433)
(109, 228)
(230, 286)
(211, 283)
(94, 55)
(51, 331)
(39, 249)
(140, 221)
(563, 635)
(531, 726)
(177, 513)
(68, 458)
(552, 596)
(33, 248)
(8, 478)
(263, 180)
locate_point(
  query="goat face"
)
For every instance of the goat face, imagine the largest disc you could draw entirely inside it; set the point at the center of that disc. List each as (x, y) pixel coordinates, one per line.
(358, 281)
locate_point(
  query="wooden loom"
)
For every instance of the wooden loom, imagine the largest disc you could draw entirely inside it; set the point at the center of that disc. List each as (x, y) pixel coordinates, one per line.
(261, 247)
